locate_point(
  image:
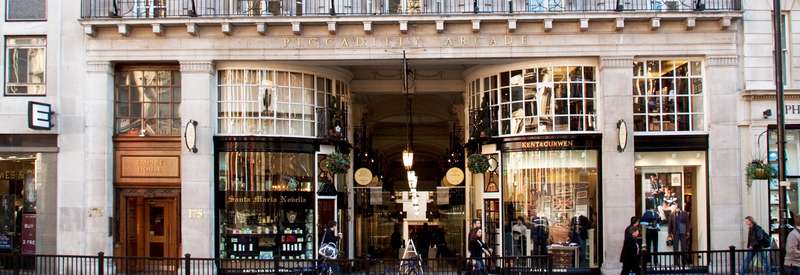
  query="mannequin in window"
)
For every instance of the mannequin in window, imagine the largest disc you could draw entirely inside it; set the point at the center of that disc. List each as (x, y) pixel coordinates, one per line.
(540, 234)
(579, 232)
(655, 192)
(669, 197)
(680, 228)
(518, 237)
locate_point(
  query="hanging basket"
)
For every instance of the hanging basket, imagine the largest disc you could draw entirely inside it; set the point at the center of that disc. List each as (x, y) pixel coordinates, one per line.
(337, 163)
(759, 170)
(477, 163)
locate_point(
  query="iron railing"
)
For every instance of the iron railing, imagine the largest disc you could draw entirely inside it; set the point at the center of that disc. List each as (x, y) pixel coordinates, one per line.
(243, 8)
(731, 261)
(101, 265)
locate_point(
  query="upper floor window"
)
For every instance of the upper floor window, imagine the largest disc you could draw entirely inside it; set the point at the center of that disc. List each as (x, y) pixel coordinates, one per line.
(147, 102)
(26, 10)
(668, 96)
(142, 8)
(535, 100)
(25, 65)
(281, 103)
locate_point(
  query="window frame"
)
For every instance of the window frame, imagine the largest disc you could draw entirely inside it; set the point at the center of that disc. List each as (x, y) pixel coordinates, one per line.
(675, 113)
(8, 12)
(173, 101)
(6, 74)
(786, 41)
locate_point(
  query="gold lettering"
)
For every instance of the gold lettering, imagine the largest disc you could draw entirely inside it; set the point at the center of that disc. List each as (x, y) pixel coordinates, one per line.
(492, 42)
(286, 42)
(361, 42)
(462, 41)
(328, 42)
(345, 44)
(448, 42)
(313, 42)
(508, 40)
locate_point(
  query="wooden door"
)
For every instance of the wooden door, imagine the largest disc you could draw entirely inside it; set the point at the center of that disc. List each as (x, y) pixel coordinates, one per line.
(159, 217)
(149, 230)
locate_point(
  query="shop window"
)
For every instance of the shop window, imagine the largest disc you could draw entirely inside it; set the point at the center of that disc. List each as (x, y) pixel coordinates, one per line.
(267, 209)
(670, 199)
(281, 103)
(27, 10)
(550, 201)
(534, 100)
(147, 102)
(668, 96)
(25, 65)
(17, 203)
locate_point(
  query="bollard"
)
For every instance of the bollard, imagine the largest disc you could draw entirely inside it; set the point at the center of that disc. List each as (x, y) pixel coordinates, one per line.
(100, 261)
(187, 264)
(732, 259)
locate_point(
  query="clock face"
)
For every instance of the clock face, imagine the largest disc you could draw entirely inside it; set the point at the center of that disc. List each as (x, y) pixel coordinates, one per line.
(492, 164)
(622, 135)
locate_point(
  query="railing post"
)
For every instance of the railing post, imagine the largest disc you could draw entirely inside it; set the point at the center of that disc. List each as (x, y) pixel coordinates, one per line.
(187, 264)
(15, 262)
(643, 259)
(732, 259)
(475, 6)
(100, 263)
(510, 6)
(333, 8)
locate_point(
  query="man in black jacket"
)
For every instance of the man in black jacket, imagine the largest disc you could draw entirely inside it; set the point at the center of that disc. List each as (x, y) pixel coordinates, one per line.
(757, 239)
(630, 250)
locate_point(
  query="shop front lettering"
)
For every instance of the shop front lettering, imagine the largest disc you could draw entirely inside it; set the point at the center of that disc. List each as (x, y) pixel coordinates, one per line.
(396, 42)
(545, 144)
(12, 175)
(263, 199)
(150, 166)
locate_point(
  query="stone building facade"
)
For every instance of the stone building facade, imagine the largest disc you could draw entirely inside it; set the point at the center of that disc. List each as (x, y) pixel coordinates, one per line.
(543, 87)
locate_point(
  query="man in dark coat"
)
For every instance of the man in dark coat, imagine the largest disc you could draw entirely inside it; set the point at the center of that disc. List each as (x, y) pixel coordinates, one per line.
(630, 251)
(757, 240)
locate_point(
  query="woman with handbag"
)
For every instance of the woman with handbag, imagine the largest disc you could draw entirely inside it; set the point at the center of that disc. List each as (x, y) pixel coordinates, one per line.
(478, 251)
(328, 250)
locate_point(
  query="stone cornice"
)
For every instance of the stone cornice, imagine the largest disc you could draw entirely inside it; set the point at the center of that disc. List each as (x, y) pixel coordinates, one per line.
(769, 95)
(616, 61)
(202, 66)
(725, 60)
(94, 66)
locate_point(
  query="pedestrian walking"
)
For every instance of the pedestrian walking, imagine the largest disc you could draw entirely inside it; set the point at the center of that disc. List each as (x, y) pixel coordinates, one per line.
(791, 263)
(630, 251)
(757, 241)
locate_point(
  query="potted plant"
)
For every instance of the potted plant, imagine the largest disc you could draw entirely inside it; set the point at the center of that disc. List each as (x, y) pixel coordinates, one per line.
(757, 169)
(477, 163)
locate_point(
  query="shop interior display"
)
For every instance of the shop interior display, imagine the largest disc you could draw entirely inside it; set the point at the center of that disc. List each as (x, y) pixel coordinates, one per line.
(268, 208)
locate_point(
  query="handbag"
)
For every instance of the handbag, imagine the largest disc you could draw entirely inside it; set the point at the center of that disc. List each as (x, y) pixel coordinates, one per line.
(669, 240)
(328, 250)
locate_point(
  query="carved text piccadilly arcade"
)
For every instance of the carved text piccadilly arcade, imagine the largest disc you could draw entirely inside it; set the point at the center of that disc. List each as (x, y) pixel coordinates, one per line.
(404, 41)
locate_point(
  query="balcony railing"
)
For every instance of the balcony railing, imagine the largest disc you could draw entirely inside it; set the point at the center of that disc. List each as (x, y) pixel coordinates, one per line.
(240, 8)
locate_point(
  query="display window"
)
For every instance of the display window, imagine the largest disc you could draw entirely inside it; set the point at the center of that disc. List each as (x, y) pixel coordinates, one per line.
(671, 198)
(267, 205)
(147, 101)
(792, 149)
(550, 205)
(668, 96)
(281, 103)
(18, 203)
(535, 100)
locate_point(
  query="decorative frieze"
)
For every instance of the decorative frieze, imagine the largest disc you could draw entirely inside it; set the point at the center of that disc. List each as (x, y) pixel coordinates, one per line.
(197, 66)
(616, 62)
(101, 66)
(726, 60)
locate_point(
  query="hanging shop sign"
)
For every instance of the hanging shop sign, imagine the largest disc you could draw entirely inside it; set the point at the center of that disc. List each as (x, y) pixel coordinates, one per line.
(190, 136)
(363, 176)
(622, 135)
(454, 176)
(40, 116)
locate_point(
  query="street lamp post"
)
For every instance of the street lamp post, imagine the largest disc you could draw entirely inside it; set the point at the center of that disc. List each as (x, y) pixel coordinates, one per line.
(778, 55)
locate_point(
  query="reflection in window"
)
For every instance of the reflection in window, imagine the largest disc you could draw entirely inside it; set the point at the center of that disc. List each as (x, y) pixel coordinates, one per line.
(537, 100)
(277, 103)
(25, 65)
(147, 102)
(550, 202)
(668, 96)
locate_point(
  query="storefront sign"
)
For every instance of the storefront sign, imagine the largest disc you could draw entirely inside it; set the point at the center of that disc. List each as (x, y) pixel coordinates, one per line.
(540, 144)
(190, 136)
(5, 243)
(622, 135)
(40, 116)
(404, 42)
(363, 176)
(28, 234)
(792, 111)
(12, 175)
(268, 199)
(454, 176)
(150, 167)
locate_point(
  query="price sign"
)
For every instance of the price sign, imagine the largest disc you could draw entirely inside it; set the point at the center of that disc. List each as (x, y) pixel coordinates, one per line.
(28, 234)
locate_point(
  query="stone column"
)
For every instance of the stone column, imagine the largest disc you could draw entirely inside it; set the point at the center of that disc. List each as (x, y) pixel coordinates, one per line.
(616, 103)
(197, 169)
(85, 199)
(725, 165)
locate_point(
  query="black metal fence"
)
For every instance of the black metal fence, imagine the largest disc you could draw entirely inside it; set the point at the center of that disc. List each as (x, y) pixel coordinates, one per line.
(731, 261)
(101, 265)
(229, 8)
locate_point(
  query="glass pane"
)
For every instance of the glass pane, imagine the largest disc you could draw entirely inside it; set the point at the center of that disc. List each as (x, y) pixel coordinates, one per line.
(588, 73)
(697, 85)
(122, 94)
(576, 90)
(575, 74)
(589, 90)
(653, 68)
(682, 104)
(590, 106)
(576, 123)
(516, 110)
(668, 104)
(164, 111)
(639, 105)
(653, 123)
(638, 68)
(530, 76)
(516, 78)
(681, 68)
(561, 124)
(560, 74)
(653, 104)
(576, 107)
(149, 110)
(668, 122)
(122, 110)
(560, 90)
(639, 122)
(681, 86)
(696, 68)
(683, 122)
(697, 122)
(697, 104)
(504, 79)
(561, 107)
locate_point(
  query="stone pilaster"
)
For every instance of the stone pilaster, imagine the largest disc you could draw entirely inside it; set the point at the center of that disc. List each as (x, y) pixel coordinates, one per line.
(197, 169)
(616, 103)
(725, 165)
